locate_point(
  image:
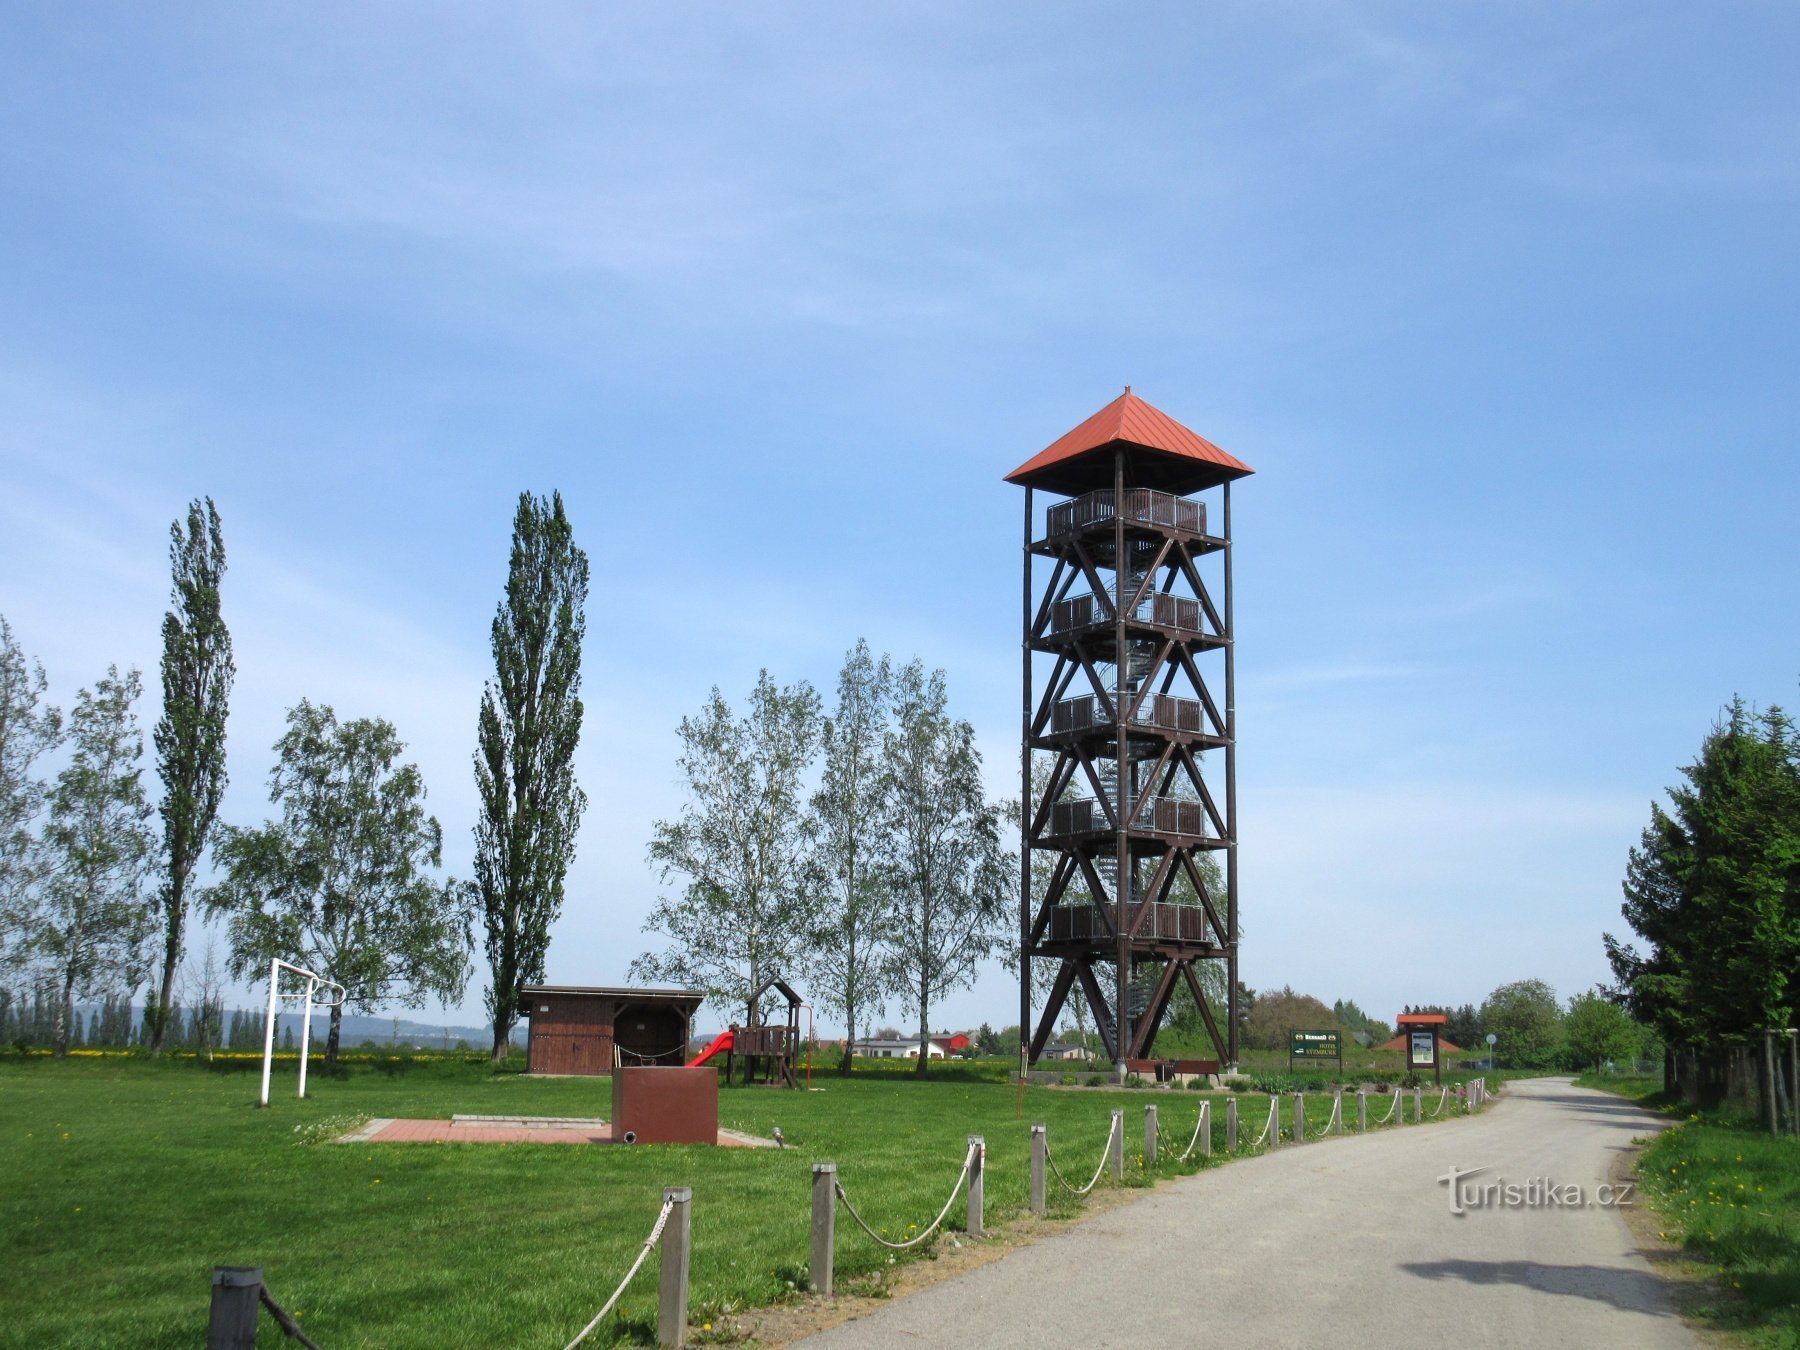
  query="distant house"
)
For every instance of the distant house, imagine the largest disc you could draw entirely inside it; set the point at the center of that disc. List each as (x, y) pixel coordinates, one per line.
(1070, 1051)
(882, 1047)
(951, 1045)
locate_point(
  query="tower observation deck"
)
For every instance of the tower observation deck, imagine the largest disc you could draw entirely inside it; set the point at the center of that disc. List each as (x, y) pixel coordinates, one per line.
(1128, 760)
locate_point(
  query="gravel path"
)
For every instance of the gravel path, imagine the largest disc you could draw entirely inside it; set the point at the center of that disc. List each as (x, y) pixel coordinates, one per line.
(1347, 1241)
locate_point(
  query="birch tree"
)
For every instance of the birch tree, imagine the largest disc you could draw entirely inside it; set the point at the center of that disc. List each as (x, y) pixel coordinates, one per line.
(740, 847)
(339, 884)
(91, 921)
(845, 968)
(28, 728)
(950, 878)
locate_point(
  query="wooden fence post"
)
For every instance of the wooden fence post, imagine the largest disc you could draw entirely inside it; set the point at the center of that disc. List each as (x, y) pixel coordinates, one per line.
(1274, 1126)
(1337, 1112)
(236, 1300)
(1206, 1129)
(1299, 1117)
(1231, 1124)
(978, 1146)
(1038, 1148)
(1117, 1145)
(1418, 1108)
(678, 1233)
(1151, 1139)
(1362, 1111)
(824, 1226)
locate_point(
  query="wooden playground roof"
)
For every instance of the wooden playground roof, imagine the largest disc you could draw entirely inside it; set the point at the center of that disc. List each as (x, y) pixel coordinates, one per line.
(1169, 457)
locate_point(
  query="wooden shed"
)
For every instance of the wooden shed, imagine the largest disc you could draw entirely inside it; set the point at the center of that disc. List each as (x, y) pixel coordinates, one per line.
(589, 1030)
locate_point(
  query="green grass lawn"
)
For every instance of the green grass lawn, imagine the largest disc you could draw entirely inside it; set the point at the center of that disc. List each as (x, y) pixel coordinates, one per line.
(127, 1181)
(1729, 1194)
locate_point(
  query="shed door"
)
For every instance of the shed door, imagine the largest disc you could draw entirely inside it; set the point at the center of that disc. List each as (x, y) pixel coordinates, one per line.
(575, 1036)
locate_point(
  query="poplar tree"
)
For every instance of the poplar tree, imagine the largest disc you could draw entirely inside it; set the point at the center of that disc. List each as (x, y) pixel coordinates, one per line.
(845, 966)
(529, 726)
(197, 672)
(951, 881)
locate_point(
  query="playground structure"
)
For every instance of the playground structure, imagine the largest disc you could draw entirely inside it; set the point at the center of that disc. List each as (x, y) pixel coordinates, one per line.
(1124, 719)
(769, 1050)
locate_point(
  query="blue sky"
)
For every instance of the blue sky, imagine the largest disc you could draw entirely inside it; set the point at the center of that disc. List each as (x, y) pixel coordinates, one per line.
(1500, 302)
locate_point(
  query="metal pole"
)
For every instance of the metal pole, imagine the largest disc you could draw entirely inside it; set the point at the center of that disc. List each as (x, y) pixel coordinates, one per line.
(824, 1226)
(236, 1298)
(1231, 849)
(1116, 1145)
(1769, 1081)
(1122, 877)
(306, 1032)
(1793, 1035)
(672, 1300)
(1025, 805)
(1231, 1128)
(1038, 1142)
(1151, 1139)
(977, 1188)
(269, 1031)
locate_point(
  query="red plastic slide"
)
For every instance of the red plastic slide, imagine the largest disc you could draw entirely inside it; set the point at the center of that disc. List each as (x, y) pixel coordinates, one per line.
(721, 1042)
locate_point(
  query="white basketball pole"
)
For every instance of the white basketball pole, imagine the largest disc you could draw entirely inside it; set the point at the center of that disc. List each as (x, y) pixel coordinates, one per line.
(306, 1031)
(269, 1032)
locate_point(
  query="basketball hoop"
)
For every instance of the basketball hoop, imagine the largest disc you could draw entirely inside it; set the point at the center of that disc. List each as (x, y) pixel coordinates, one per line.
(313, 984)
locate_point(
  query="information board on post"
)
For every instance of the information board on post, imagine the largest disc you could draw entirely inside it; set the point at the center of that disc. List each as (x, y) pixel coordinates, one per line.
(1315, 1045)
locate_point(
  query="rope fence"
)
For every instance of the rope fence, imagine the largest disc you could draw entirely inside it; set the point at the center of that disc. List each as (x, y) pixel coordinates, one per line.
(962, 1176)
(656, 1232)
(1393, 1106)
(1337, 1104)
(1203, 1121)
(1271, 1128)
(1438, 1110)
(1105, 1153)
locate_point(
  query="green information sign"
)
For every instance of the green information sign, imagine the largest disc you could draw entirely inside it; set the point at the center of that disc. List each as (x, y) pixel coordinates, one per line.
(1315, 1045)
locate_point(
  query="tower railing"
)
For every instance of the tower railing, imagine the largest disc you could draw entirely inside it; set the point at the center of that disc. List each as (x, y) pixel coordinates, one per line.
(1164, 815)
(1082, 922)
(1159, 608)
(1160, 712)
(1142, 506)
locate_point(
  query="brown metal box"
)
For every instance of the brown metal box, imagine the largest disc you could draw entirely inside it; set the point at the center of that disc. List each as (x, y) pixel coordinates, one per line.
(665, 1106)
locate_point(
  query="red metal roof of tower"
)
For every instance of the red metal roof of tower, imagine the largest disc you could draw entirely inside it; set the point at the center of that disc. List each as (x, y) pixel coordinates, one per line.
(1162, 454)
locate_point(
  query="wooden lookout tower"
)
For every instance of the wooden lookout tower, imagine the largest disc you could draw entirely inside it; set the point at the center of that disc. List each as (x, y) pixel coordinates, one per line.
(1133, 733)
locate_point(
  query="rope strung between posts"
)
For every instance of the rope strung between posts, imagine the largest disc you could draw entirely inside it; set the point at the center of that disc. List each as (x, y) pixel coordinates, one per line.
(1274, 1107)
(1105, 1153)
(650, 1242)
(284, 1319)
(1393, 1106)
(1200, 1120)
(1443, 1097)
(677, 1055)
(1337, 1104)
(968, 1162)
